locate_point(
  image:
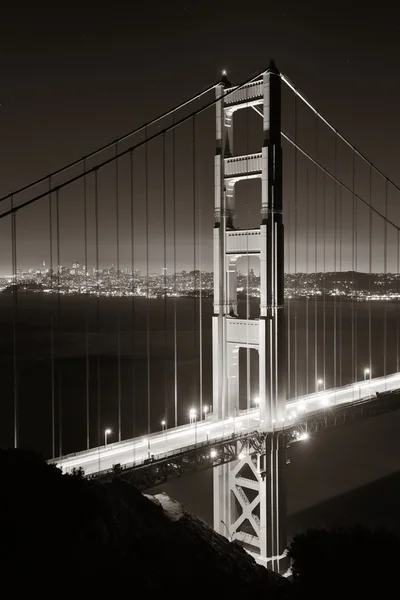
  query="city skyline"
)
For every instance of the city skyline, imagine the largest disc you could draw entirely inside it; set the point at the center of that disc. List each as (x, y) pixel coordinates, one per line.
(110, 281)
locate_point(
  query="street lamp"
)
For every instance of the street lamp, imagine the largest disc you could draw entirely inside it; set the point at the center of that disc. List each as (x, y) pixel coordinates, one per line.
(164, 428)
(320, 382)
(205, 410)
(367, 372)
(106, 434)
(257, 401)
(192, 416)
(147, 441)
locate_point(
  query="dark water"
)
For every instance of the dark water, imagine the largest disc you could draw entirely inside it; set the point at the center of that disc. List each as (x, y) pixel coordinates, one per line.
(123, 348)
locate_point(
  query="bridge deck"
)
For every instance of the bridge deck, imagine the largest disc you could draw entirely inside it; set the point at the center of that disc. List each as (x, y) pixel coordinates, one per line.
(136, 452)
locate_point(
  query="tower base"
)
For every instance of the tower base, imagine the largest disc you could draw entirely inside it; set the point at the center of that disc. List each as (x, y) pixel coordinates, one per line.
(250, 503)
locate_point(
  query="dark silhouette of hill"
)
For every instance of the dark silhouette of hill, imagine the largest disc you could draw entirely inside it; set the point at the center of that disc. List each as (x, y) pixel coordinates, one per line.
(65, 534)
(353, 562)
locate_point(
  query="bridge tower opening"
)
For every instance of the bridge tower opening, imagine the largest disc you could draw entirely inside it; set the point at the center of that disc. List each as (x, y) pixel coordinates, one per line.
(249, 494)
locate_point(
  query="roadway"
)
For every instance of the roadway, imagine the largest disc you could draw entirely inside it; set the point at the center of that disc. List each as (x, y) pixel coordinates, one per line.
(170, 441)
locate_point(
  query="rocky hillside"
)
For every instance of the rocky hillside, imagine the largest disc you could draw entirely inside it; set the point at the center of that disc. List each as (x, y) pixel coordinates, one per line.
(62, 533)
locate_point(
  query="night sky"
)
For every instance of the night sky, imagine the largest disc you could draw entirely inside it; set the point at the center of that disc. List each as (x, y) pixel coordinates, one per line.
(76, 79)
(76, 76)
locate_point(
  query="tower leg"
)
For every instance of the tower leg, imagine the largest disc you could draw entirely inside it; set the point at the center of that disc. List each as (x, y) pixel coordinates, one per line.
(250, 503)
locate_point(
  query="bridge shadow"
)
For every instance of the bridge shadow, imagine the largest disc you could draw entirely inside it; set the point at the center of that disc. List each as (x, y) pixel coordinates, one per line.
(374, 505)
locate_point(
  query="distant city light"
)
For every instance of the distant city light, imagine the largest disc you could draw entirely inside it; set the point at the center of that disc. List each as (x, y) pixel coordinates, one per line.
(108, 281)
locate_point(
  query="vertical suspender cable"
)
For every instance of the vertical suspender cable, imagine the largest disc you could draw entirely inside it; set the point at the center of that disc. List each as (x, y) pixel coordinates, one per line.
(147, 289)
(370, 275)
(398, 301)
(194, 253)
(96, 217)
(288, 280)
(133, 302)
(307, 282)
(175, 286)
(87, 296)
(58, 321)
(166, 355)
(197, 203)
(335, 268)
(386, 283)
(341, 279)
(324, 279)
(15, 321)
(355, 280)
(119, 294)
(52, 362)
(199, 237)
(60, 418)
(316, 261)
(353, 345)
(295, 249)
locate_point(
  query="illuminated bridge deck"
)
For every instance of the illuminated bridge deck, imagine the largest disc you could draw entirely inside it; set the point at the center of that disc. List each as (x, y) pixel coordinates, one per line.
(159, 446)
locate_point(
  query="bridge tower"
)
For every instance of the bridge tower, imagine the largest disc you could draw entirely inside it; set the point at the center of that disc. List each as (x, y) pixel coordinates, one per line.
(249, 495)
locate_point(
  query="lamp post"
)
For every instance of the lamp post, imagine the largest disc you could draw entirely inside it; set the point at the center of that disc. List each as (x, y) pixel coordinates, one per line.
(319, 383)
(367, 372)
(192, 416)
(147, 441)
(205, 410)
(193, 419)
(164, 428)
(106, 434)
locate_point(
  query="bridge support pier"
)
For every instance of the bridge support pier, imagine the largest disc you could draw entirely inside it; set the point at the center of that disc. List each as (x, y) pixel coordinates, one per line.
(250, 503)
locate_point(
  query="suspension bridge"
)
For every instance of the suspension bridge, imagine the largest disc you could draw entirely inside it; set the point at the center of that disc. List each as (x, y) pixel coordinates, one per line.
(164, 312)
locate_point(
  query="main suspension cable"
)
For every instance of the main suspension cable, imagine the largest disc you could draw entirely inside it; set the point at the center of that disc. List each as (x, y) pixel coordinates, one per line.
(119, 140)
(136, 146)
(300, 95)
(343, 185)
